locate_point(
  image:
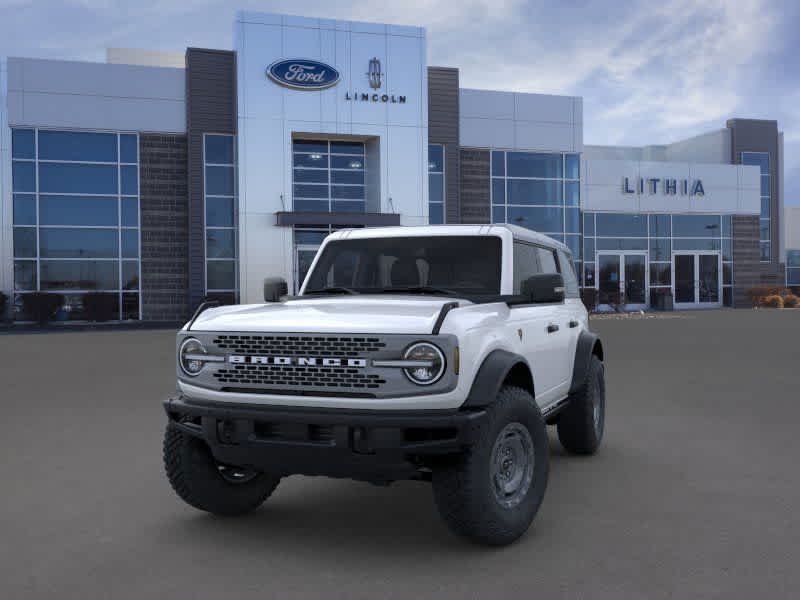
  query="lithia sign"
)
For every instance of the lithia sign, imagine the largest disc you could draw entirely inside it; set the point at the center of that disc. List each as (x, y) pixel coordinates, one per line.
(667, 186)
(306, 74)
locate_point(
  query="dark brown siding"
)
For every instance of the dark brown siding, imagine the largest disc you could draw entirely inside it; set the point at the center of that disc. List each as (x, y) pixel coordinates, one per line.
(210, 108)
(475, 199)
(746, 253)
(443, 129)
(164, 227)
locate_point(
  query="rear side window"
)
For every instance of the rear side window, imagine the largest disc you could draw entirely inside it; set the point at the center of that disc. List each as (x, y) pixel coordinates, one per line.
(547, 260)
(570, 278)
(526, 263)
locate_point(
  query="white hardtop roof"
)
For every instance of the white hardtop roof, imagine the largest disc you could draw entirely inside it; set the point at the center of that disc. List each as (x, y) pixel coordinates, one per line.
(520, 233)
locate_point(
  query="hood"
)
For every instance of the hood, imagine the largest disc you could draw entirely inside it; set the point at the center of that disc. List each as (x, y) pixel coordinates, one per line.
(333, 314)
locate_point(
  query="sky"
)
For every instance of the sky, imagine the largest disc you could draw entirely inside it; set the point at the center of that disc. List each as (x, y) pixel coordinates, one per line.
(649, 72)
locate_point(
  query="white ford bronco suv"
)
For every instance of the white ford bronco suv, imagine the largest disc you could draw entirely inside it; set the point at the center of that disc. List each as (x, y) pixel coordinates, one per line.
(433, 353)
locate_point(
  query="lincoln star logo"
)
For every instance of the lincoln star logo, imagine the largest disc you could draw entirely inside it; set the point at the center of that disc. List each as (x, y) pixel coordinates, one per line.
(303, 74)
(374, 74)
(297, 361)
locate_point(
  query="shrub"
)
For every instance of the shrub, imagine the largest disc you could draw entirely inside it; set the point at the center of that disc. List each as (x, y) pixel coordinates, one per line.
(41, 306)
(790, 301)
(3, 306)
(99, 306)
(773, 301)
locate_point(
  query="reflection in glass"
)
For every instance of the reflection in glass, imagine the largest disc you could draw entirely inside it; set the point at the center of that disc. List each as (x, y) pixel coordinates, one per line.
(622, 225)
(66, 178)
(77, 146)
(57, 242)
(80, 275)
(25, 242)
(219, 149)
(220, 243)
(531, 164)
(25, 275)
(77, 210)
(24, 209)
(542, 219)
(221, 275)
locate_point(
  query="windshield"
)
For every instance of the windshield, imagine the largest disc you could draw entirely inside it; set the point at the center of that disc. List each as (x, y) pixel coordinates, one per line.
(449, 265)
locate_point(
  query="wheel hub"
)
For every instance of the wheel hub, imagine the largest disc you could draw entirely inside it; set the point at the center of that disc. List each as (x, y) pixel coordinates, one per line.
(512, 462)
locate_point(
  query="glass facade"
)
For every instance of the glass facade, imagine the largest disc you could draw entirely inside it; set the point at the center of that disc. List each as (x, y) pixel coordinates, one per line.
(76, 219)
(761, 160)
(219, 163)
(540, 191)
(435, 184)
(793, 268)
(328, 176)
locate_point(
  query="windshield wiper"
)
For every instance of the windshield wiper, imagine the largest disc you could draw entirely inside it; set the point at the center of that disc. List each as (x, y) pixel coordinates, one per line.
(331, 290)
(418, 289)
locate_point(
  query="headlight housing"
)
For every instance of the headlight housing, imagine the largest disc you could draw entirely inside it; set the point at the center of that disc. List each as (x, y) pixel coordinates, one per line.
(191, 356)
(430, 363)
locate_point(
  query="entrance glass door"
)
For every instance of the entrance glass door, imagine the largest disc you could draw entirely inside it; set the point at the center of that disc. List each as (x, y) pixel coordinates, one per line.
(622, 280)
(697, 279)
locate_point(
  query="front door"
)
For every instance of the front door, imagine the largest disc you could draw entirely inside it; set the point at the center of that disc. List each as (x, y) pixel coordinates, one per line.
(621, 280)
(697, 279)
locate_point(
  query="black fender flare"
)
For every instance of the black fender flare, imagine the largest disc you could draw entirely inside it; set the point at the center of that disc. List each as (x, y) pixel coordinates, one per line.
(492, 373)
(588, 345)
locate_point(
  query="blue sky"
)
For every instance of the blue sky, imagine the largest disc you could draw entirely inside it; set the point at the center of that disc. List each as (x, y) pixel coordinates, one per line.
(649, 72)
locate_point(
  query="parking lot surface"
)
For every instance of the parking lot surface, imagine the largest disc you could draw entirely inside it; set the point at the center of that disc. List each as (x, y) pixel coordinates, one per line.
(695, 493)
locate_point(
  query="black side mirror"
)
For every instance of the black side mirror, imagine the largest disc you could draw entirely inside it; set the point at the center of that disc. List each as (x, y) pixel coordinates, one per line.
(544, 287)
(275, 288)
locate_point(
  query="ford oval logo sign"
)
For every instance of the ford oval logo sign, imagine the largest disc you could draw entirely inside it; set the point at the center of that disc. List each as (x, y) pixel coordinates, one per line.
(303, 74)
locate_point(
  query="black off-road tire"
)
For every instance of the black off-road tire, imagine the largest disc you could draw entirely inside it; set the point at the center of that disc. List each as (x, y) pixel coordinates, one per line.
(582, 422)
(196, 478)
(464, 487)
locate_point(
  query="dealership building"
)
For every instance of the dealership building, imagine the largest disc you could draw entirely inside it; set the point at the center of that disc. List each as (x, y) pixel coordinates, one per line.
(163, 179)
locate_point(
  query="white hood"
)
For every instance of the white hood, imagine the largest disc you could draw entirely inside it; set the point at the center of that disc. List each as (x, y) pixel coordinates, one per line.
(332, 314)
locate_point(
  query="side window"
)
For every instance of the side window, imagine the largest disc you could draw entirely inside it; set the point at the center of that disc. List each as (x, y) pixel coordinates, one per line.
(526, 263)
(570, 279)
(547, 260)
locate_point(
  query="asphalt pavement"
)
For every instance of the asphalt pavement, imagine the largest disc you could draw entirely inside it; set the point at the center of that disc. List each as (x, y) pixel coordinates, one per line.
(694, 494)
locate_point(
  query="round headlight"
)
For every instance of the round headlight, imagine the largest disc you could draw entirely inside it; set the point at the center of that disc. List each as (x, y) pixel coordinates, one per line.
(430, 365)
(190, 356)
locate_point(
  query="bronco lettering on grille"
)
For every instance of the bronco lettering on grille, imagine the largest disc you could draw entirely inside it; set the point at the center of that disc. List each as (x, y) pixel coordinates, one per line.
(300, 361)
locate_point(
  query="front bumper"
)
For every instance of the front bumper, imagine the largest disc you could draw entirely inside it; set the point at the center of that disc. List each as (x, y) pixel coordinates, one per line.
(360, 444)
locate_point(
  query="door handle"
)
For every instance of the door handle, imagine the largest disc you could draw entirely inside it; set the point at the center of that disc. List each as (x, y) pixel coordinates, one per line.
(573, 323)
(552, 328)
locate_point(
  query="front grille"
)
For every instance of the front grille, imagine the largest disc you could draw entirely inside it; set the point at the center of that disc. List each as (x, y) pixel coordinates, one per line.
(316, 377)
(290, 345)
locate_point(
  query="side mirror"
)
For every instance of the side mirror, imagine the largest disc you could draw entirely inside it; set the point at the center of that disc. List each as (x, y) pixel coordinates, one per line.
(544, 288)
(275, 288)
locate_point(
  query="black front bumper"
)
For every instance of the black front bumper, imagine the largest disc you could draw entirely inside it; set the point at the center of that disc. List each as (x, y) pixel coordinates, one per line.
(370, 445)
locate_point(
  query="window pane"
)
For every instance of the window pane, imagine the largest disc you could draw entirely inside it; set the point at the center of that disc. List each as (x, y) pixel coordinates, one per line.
(347, 148)
(660, 249)
(310, 191)
(573, 193)
(625, 225)
(588, 224)
(219, 212)
(793, 277)
(765, 208)
(347, 192)
(343, 162)
(318, 161)
(311, 175)
(309, 237)
(765, 185)
(695, 244)
(24, 209)
(498, 191)
(348, 206)
(435, 158)
(128, 149)
(621, 243)
(130, 243)
(130, 212)
(356, 176)
(574, 243)
(77, 179)
(727, 226)
(75, 145)
(77, 210)
(436, 187)
(529, 164)
(573, 166)
(310, 146)
(766, 251)
(219, 149)
(526, 264)
(220, 243)
(660, 226)
(727, 297)
(436, 213)
(759, 159)
(526, 191)
(573, 220)
(79, 275)
(311, 205)
(793, 258)
(129, 180)
(498, 214)
(588, 274)
(130, 274)
(539, 219)
(219, 181)
(221, 275)
(25, 275)
(23, 176)
(547, 260)
(498, 163)
(25, 242)
(727, 273)
(763, 229)
(23, 143)
(588, 249)
(130, 307)
(660, 274)
(78, 243)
